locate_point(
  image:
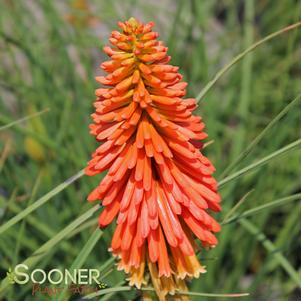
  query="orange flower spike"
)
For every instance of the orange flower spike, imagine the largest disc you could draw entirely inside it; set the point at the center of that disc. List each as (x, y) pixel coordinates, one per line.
(159, 186)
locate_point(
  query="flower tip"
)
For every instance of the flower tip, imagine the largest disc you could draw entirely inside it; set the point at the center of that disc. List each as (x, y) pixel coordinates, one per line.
(102, 224)
(93, 196)
(133, 22)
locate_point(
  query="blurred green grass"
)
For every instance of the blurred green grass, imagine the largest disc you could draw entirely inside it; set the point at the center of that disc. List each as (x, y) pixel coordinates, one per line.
(49, 52)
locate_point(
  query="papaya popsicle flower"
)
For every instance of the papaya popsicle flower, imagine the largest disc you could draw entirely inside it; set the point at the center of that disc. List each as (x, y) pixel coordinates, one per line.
(159, 186)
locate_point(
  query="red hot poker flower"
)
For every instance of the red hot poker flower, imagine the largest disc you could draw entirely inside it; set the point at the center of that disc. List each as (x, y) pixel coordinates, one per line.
(159, 185)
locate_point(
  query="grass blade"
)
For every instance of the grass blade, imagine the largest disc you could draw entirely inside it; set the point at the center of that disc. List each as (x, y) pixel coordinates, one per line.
(258, 138)
(23, 119)
(247, 70)
(269, 246)
(40, 202)
(242, 55)
(247, 213)
(231, 212)
(109, 296)
(129, 288)
(259, 163)
(83, 255)
(42, 251)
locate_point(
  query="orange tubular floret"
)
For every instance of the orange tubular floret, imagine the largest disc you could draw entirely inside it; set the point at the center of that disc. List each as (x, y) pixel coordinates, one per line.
(159, 185)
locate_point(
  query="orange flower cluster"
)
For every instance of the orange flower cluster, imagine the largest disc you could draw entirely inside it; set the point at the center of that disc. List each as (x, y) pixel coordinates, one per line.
(159, 185)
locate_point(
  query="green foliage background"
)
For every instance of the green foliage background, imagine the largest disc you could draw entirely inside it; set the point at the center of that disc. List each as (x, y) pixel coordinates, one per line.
(49, 54)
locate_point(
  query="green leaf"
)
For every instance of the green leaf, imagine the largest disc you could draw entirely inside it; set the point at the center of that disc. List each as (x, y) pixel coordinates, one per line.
(240, 56)
(129, 288)
(40, 202)
(50, 244)
(258, 138)
(252, 211)
(259, 163)
(26, 118)
(269, 246)
(83, 255)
